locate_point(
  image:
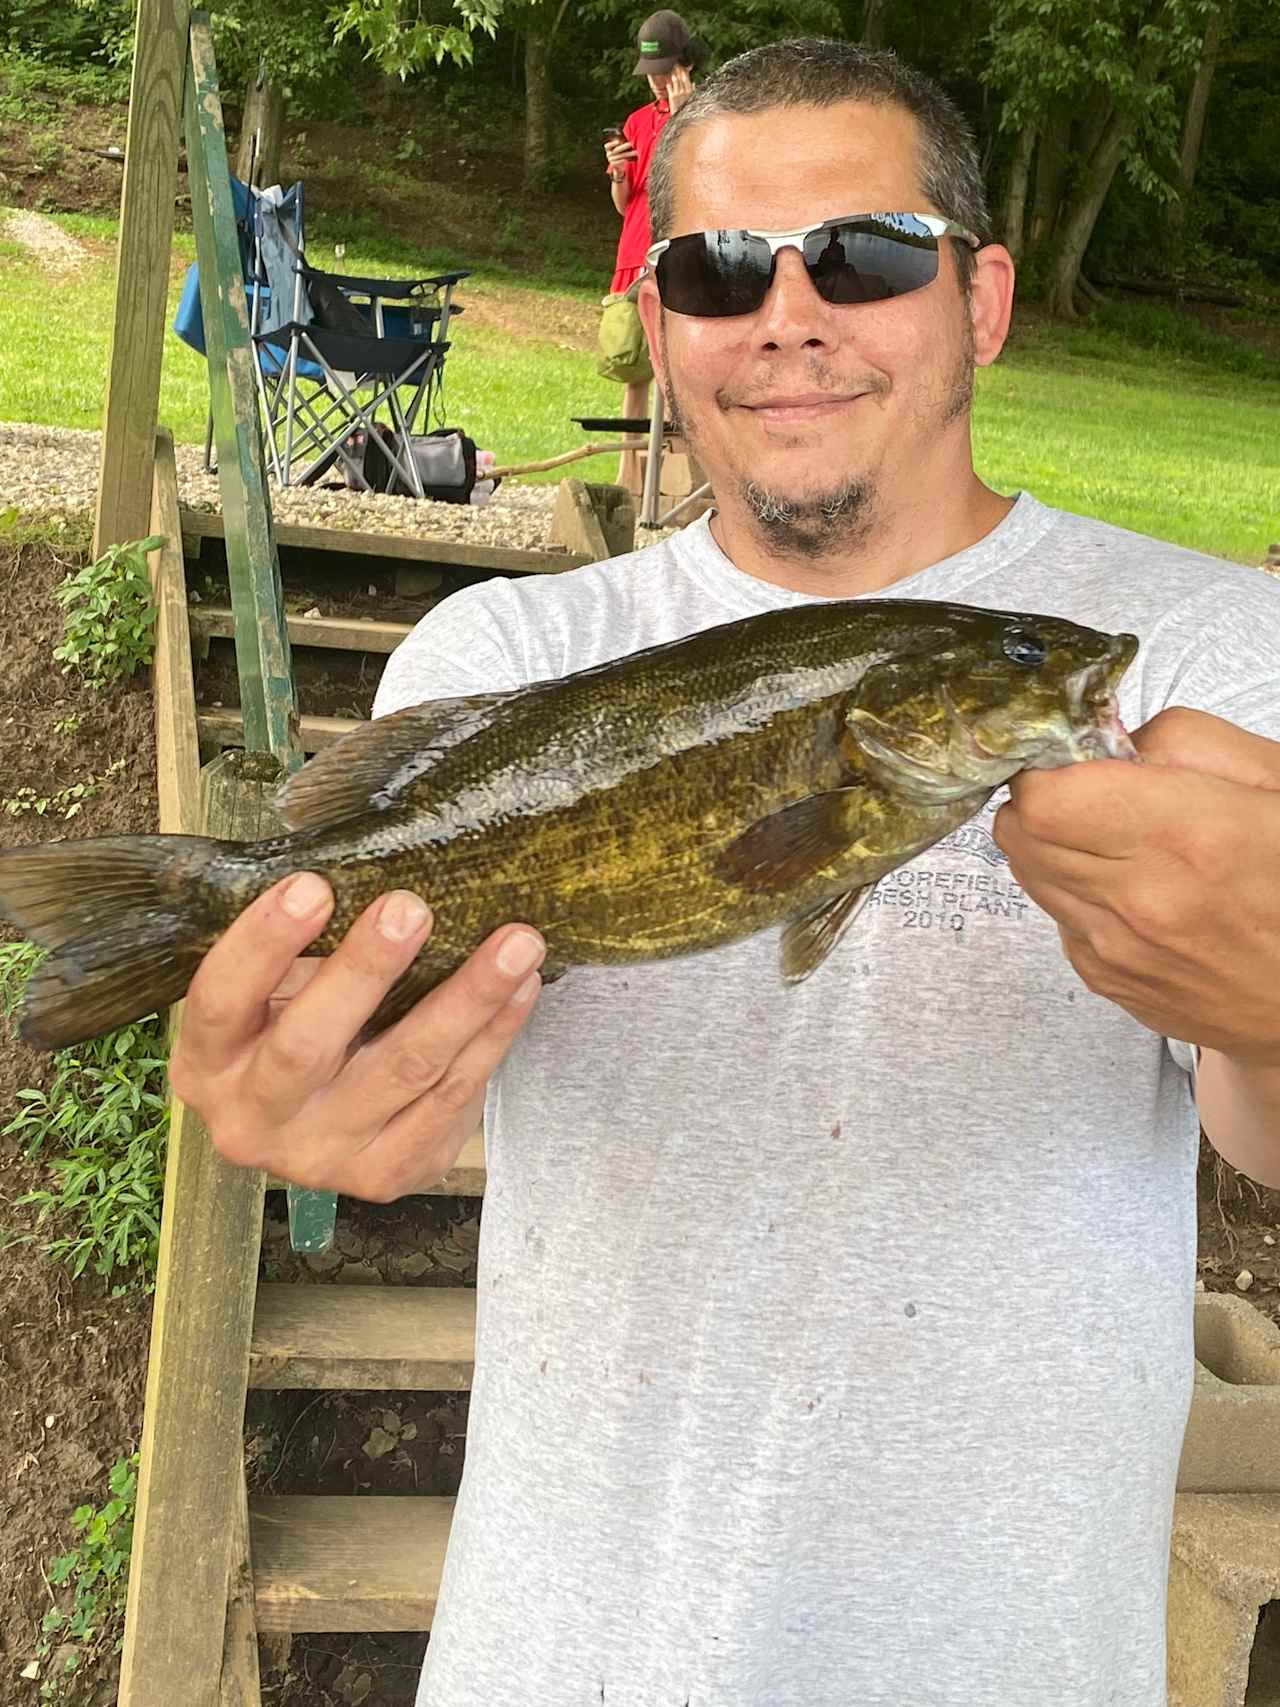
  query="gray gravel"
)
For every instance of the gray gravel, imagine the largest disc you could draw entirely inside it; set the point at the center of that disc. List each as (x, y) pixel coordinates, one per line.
(49, 471)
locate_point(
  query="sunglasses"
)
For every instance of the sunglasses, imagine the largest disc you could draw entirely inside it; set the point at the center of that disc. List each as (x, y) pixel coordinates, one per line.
(861, 257)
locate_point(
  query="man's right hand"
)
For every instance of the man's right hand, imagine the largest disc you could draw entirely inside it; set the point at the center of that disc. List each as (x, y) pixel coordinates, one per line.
(265, 1052)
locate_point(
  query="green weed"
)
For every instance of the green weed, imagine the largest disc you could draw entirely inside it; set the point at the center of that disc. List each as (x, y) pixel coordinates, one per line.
(96, 1574)
(109, 628)
(105, 1118)
(63, 802)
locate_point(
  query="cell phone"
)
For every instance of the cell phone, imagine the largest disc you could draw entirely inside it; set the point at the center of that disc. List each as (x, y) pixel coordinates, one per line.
(611, 131)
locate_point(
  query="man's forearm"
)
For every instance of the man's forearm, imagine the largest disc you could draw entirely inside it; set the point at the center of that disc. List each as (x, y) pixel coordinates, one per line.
(1239, 1106)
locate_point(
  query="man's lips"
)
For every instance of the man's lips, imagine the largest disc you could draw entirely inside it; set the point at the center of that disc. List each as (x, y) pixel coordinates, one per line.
(803, 406)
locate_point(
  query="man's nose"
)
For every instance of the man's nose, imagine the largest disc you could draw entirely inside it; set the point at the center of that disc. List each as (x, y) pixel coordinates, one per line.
(793, 315)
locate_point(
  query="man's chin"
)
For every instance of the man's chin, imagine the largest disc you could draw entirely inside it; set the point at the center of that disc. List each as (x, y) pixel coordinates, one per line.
(810, 520)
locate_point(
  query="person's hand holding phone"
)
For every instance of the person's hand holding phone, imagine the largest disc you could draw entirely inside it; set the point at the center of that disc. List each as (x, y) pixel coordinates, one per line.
(618, 151)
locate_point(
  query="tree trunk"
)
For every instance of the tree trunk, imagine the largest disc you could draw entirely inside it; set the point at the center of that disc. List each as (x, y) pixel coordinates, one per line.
(537, 109)
(1013, 219)
(1080, 215)
(1193, 120)
(1051, 166)
(263, 113)
(873, 23)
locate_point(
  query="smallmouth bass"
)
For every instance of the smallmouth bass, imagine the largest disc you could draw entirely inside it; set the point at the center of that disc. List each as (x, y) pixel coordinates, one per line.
(764, 772)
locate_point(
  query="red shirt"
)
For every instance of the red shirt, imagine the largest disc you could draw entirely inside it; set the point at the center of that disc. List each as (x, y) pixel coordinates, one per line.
(642, 130)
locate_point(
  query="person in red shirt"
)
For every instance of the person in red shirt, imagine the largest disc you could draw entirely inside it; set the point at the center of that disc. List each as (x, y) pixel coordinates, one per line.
(665, 60)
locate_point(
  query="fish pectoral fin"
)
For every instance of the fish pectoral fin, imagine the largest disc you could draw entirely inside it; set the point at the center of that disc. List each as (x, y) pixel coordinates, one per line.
(368, 769)
(792, 845)
(809, 938)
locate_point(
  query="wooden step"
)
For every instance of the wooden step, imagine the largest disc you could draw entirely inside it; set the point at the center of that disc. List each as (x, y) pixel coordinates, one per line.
(224, 724)
(347, 1562)
(464, 1179)
(410, 1339)
(342, 634)
(203, 524)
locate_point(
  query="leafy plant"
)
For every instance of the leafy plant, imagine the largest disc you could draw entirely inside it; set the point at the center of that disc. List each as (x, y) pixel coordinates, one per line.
(109, 626)
(96, 1571)
(63, 802)
(107, 1114)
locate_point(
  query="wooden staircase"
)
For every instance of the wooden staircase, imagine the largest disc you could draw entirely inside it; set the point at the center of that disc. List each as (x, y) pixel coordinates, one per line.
(270, 1563)
(367, 1562)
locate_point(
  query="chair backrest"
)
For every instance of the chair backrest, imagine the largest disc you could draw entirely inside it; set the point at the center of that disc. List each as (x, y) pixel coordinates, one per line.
(271, 246)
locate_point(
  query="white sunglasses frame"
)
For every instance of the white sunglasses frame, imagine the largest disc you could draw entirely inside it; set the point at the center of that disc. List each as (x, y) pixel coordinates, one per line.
(778, 240)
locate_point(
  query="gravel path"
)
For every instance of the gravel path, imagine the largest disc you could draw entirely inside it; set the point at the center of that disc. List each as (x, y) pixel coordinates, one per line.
(49, 471)
(48, 242)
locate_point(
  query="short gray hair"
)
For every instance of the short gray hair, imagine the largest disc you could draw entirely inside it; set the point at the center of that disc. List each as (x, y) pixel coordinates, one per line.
(809, 71)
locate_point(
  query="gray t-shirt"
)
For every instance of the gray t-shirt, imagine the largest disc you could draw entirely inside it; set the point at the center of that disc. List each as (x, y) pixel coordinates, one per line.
(834, 1342)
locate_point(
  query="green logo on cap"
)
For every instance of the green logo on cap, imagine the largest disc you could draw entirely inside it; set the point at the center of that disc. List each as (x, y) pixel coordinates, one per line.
(651, 47)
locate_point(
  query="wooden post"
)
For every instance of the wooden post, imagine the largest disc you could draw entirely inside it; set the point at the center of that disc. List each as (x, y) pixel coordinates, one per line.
(142, 272)
(253, 569)
(185, 1558)
(177, 733)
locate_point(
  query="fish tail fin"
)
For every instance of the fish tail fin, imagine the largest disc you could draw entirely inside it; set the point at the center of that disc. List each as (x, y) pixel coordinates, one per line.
(123, 921)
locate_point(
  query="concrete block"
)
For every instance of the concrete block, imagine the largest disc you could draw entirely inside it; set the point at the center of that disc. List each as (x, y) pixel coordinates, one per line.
(593, 520)
(1232, 1443)
(1224, 1580)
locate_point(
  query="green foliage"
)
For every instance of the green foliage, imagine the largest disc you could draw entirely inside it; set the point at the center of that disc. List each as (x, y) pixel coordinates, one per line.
(109, 627)
(61, 803)
(1144, 326)
(35, 91)
(402, 39)
(86, 44)
(96, 1572)
(107, 1116)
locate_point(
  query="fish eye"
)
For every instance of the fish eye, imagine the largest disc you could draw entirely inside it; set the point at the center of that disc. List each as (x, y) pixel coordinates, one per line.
(1023, 647)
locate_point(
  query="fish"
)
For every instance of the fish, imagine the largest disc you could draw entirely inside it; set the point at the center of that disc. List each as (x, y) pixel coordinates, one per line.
(766, 772)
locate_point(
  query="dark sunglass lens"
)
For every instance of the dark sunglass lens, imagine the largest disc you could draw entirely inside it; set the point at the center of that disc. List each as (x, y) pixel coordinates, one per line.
(714, 273)
(868, 260)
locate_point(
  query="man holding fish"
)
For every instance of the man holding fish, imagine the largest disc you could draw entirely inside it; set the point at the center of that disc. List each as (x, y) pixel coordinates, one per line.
(834, 1327)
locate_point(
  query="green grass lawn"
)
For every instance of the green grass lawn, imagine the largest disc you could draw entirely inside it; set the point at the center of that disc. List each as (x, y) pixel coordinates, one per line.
(1141, 419)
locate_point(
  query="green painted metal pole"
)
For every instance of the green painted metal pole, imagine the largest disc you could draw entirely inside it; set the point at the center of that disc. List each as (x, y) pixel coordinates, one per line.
(262, 641)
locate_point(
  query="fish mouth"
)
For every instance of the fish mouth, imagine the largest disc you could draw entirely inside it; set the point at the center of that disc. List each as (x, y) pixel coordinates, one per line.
(1096, 731)
(1091, 728)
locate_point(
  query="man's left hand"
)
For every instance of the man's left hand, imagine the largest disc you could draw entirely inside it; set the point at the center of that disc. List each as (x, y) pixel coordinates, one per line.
(1164, 878)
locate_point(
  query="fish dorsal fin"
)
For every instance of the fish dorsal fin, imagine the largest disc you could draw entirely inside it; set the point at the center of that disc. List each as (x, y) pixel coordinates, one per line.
(370, 768)
(791, 845)
(810, 937)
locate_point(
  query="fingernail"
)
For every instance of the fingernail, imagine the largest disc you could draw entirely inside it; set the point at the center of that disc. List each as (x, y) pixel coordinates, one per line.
(527, 991)
(304, 895)
(402, 915)
(518, 953)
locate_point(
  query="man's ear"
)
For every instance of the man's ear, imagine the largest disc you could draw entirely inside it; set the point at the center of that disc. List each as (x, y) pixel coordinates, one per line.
(991, 301)
(650, 308)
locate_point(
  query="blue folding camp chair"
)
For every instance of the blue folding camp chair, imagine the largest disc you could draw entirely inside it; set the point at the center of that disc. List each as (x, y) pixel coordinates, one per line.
(334, 351)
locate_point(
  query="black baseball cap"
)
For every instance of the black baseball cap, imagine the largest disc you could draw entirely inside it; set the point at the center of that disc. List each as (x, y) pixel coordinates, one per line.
(664, 43)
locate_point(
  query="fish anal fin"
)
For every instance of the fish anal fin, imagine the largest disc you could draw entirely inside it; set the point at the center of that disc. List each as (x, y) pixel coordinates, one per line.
(369, 768)
(810, 937)
(792, 845)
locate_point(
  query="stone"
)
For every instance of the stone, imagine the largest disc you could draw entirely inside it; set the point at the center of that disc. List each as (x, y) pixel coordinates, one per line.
(1232, 1441)
(1224, 1575)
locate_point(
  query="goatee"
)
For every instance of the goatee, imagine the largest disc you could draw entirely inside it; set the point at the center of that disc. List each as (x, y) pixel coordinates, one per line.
(811, 526)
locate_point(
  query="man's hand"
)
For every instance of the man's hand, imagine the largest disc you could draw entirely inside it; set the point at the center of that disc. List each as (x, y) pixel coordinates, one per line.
(1164, 878)
(266, 1049)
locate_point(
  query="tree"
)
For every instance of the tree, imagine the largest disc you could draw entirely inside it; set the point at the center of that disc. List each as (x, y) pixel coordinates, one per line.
(1109, 63)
